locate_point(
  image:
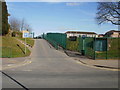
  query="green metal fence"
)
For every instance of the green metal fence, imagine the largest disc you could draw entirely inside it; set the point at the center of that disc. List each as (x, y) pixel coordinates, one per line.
(89, 47)
(111, 49)
(5, 52)
(92, 47)
(56, 39)
(96, 48)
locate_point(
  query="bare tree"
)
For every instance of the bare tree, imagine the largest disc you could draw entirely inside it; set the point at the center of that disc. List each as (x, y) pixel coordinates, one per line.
(19, 25)
(24, 25)
(108, 12)
(29, 28)
(14, 24)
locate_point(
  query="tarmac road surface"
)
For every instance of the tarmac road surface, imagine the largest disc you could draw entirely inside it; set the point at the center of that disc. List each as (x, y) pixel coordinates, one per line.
(50, 68)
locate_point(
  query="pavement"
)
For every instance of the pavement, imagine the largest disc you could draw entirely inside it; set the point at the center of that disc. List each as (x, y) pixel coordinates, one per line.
(111, 64)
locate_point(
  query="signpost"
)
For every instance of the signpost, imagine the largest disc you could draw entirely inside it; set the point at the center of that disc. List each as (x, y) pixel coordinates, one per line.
(83, 50)
(25, 35)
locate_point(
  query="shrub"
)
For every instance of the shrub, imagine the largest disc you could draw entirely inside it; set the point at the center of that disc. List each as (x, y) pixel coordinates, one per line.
(16, 34)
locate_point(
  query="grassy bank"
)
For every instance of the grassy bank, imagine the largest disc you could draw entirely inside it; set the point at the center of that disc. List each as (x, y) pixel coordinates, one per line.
(29, 41)
(11, 47)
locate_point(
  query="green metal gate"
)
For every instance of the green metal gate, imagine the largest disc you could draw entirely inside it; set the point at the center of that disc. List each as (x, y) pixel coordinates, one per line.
(101, 44)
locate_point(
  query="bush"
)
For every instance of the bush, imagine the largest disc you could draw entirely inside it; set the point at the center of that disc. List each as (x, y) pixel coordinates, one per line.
(16, 34)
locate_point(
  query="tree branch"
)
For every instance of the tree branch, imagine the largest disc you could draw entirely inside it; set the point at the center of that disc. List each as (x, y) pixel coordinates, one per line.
(112, 22)
(113, 15)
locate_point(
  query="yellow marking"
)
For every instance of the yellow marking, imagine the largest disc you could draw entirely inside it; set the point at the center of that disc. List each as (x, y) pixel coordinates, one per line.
(18, 65)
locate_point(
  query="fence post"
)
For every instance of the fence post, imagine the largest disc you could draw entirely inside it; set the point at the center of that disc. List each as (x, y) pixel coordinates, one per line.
(79, 44)
(106, 48)
(65, 41)
(94, 39)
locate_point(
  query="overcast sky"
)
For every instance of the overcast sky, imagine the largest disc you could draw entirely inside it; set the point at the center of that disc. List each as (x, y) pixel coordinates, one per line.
(59, 16)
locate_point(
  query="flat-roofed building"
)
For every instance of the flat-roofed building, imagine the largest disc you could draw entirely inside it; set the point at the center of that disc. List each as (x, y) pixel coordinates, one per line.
(82, 34)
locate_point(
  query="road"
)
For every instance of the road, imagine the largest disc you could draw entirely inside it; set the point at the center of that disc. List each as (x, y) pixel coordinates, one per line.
(50, 68)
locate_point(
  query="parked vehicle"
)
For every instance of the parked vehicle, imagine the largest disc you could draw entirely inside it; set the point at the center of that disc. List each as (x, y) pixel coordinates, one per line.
(38, 37)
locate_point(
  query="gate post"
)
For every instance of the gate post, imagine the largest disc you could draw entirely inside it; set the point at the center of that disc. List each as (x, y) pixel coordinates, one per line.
(83, 46)
(106, 48)
(94, 42)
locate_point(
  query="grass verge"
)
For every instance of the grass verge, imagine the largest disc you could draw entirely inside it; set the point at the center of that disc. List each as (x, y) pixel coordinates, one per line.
(29, 41)
(12, 48)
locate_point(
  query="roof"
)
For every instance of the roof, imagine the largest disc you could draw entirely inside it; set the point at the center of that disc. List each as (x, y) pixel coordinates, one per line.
(25, 31)
(78, 32)
(113, 31)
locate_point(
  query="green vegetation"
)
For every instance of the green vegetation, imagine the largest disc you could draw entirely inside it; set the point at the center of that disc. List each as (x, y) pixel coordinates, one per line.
(5, 25)
(73, 45)
(12, 47)
(29, 41)
(16, 34)
(0, 18)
